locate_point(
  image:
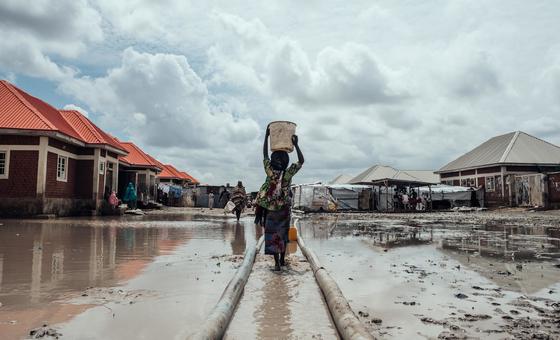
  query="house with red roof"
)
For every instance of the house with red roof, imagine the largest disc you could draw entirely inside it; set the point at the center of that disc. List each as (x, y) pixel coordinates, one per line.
(51, 161)
(171, 175)
(141, 169)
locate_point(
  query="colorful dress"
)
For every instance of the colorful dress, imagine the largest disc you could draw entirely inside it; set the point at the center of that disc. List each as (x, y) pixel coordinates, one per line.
(276, 198)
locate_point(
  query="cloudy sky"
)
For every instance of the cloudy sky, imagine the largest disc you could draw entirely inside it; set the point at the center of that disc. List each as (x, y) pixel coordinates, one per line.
(412, 84)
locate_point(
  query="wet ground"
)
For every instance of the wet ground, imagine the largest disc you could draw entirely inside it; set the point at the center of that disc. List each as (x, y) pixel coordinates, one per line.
(454, 275)
(150, 276)
(482, 275)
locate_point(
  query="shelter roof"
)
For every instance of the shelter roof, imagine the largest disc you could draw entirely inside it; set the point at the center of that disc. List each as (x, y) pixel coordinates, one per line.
(341, 179)
(512, 148)
(88, 131)
(137, 157)
(21, 111)
(382, 173)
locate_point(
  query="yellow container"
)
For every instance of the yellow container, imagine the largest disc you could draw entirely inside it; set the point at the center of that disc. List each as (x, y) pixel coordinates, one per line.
(292, 234)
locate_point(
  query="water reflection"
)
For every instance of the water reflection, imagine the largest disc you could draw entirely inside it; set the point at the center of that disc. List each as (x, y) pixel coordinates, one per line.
(43, 261)
(508, 242)
(273, 316)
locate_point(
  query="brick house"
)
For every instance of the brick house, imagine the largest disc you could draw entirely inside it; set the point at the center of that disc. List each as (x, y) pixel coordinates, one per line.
(141, 169)
(502, 164)
(51, 161)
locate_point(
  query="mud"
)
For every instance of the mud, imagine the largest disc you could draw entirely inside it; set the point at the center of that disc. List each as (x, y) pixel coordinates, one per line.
(451, 276)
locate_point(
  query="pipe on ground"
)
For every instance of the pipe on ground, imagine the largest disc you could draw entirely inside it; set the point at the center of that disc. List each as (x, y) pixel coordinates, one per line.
(347, 324)
(217, 322)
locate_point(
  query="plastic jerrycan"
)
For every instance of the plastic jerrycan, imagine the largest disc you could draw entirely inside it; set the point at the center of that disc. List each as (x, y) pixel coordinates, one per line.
(292, 233)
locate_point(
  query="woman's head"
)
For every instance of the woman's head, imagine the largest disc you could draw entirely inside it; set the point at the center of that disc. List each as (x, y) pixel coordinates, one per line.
(279, 160)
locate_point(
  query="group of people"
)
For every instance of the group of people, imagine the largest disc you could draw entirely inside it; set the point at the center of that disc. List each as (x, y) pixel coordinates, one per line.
(238, 198)
(130, 197)
(409, 200)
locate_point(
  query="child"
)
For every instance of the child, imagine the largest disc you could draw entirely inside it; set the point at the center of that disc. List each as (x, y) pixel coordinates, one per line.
(275, 199)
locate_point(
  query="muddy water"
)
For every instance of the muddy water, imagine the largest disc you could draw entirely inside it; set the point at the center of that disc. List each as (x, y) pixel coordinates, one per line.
(282, 305)
(423, 281)
(151, 276)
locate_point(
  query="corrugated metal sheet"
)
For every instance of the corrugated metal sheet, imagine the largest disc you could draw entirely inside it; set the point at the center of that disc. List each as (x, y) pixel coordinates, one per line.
(341, 179)
(381, 172)
(136, 156)
(17, 113)
(427, 176)
(89, 132)
(514, 147)
(169, 172)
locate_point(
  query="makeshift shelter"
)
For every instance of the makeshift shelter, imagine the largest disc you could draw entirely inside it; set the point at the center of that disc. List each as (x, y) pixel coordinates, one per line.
(447, 196)
(329, 197)
(386, 183)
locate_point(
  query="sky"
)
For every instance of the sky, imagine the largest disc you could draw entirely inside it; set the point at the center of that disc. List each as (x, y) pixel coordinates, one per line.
(410, 84)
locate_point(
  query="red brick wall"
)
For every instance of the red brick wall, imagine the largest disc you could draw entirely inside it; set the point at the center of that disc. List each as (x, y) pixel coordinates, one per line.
(55, 143)
(84, 179)
(19, 140)
(449, 174)
(59, 189)
(22, 181)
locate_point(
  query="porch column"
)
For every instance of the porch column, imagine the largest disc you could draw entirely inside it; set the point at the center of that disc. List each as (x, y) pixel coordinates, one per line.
(42, 166)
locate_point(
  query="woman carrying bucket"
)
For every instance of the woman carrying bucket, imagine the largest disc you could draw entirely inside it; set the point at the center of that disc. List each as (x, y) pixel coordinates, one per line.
(274, 195)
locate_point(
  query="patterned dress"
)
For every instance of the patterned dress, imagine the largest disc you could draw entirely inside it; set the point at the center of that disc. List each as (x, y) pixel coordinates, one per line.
(274, 196)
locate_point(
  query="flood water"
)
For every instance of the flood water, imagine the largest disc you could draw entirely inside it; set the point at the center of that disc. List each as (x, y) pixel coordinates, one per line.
(423, 280)
(108, 275)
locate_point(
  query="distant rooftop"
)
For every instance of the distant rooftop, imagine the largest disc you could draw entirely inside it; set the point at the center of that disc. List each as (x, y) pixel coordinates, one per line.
(512, 148)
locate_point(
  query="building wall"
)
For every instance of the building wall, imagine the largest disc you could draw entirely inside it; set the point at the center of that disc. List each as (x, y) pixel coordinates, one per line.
(84, 178)
(60, 189)
(18, 140)
(22, 175)
(554, 190)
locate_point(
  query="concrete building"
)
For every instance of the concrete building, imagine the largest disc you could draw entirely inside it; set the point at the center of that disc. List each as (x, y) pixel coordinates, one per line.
(170, 175)
(51, 161)
(141, 169)
(505, 166)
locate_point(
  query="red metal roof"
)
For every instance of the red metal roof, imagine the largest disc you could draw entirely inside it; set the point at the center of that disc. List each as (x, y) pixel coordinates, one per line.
(190, 178)
(137, 157)
(89, 132)
(19, 110)
(170, 172)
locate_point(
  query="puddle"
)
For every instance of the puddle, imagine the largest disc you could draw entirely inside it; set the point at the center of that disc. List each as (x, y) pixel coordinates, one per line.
(107, 274)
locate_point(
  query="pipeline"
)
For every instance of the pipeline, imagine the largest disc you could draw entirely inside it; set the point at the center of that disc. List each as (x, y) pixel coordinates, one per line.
(347, 324)
(217, 322)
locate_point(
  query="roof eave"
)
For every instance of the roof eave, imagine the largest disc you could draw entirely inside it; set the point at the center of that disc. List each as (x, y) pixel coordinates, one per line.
(495, 164)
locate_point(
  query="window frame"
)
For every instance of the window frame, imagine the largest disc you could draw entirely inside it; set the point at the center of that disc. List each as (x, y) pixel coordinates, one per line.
(102, 167)
(6, 173)
(63, 178)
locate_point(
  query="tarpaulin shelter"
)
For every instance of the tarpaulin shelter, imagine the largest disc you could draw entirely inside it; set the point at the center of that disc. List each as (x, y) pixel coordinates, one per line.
(386, 180)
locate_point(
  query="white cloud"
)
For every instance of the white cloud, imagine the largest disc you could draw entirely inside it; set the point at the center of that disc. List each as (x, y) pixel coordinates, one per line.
(76, 108)
(410, 85)
(33, 32)
(158, 101)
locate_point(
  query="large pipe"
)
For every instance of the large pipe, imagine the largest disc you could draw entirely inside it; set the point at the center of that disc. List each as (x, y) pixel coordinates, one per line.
(217, 322)
(347, 324)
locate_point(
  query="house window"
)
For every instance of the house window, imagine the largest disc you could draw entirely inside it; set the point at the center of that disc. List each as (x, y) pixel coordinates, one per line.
(101, 168)
(490, 184)
(4, 164)
(110, 165)
(62, 168)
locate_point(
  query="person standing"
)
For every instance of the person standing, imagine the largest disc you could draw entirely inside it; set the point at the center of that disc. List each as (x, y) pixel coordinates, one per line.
(130, 196)
(211, 200)
(275, 197)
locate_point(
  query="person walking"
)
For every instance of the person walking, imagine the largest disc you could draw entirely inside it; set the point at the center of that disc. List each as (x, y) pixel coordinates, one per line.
(275, 197)
(239, 198)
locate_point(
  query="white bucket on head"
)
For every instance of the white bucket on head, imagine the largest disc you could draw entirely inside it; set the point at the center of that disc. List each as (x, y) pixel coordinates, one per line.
(281, 133)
